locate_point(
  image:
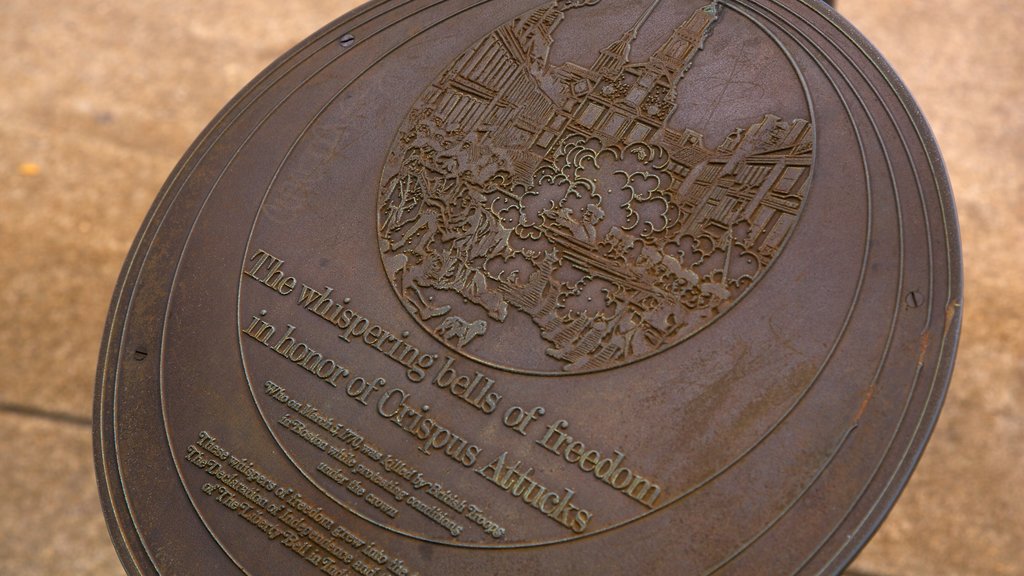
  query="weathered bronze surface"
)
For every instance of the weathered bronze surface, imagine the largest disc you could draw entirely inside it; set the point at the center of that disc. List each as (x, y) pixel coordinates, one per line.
(562, 287)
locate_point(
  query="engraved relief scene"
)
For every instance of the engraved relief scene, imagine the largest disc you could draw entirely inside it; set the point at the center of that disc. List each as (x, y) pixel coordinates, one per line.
(557, 199)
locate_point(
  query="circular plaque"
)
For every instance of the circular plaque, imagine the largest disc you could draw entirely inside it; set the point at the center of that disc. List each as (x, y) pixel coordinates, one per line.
(562, 287)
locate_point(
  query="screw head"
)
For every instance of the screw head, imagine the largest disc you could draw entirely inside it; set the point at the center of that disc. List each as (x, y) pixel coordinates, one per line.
(914, 299)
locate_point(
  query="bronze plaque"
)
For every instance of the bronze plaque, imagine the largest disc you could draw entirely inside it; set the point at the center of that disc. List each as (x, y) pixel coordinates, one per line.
(537, 287)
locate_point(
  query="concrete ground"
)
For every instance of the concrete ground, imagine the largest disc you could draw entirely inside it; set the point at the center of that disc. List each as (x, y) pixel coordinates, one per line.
(100, 99)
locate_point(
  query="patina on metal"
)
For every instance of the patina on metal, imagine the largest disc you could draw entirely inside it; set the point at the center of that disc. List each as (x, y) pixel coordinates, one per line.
(547, 287)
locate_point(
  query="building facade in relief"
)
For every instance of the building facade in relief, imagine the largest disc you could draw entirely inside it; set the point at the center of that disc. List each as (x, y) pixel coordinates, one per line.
(517, 186)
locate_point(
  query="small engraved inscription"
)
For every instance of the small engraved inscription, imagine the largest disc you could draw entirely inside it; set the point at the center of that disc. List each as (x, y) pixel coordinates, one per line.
(284, 516)
(383, 481)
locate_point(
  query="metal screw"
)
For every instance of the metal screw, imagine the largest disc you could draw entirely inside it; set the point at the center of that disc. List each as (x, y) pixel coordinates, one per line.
(914, 299)
(347, 40)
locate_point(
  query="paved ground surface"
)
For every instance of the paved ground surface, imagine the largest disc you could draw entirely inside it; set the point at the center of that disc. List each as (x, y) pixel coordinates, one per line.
(99, 100)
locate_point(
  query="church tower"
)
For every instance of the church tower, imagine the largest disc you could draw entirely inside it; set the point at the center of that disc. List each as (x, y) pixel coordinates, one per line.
(616, 100)
(674, 56)
(655, 93)
(614, 57)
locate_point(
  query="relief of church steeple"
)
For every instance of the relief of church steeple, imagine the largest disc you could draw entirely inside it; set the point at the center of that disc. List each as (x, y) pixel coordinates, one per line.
(675, 55)
(616, 98)
(655, 93)
(615, 56)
